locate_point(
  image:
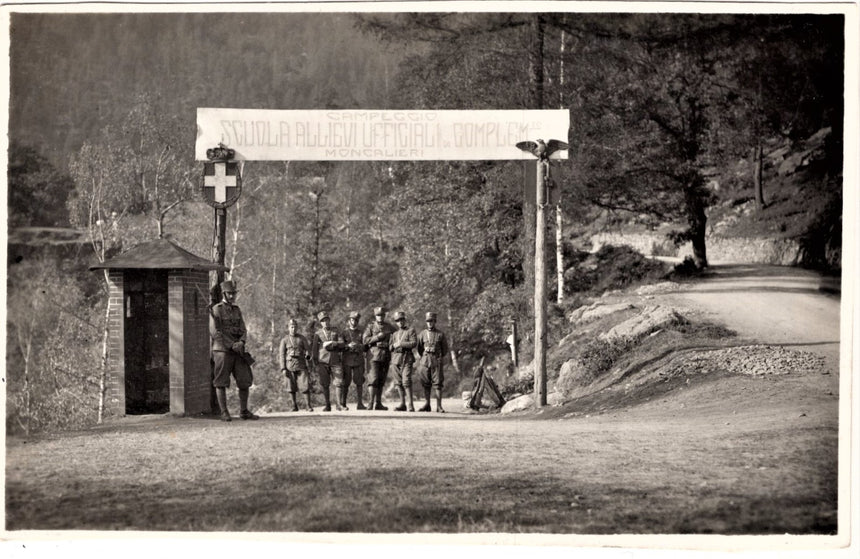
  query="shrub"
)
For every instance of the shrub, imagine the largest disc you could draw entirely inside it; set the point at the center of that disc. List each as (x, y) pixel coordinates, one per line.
(622, 266)
(523, 385)
(598, 356)
(687, 268)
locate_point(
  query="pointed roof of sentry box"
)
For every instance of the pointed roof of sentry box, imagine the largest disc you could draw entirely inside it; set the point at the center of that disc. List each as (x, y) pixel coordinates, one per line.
(159, 254)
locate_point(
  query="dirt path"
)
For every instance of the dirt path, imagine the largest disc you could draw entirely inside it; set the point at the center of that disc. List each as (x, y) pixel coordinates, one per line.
(718, 454)
(769, 304)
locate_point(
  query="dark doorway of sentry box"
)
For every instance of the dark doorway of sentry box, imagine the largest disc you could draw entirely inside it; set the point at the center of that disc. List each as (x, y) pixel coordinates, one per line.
(147, 356)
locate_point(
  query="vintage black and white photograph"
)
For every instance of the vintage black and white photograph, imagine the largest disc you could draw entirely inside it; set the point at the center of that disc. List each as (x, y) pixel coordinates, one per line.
(545, 273)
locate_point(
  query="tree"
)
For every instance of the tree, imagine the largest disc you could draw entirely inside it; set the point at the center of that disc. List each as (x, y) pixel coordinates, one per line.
(51, 366)
(152, 150)
(37, 190)
(99, 203)
(645, 119)
(782, 80)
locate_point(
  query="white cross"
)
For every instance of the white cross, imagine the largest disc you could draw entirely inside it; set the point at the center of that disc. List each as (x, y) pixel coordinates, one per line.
(220, 180)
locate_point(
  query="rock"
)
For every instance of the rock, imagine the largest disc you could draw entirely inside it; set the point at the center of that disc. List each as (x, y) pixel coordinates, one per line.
(569, 375)
(650, 319)
(555, 399)
(527, 370)
(662, 287)
(519, 404)
(595, 311)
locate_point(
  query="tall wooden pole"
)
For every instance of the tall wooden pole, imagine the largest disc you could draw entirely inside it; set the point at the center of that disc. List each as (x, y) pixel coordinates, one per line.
(219, 250)
(540, 284)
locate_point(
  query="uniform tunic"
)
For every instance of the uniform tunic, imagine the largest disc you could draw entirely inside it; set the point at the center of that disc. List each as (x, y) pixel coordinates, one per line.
(432, 347)
(329, 368)
(293, 353)
(401, 344)
(353, 359)
(226, 327)
(377, 336)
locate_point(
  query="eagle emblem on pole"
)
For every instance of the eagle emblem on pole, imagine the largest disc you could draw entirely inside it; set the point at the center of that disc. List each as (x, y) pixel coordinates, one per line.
(542, 150)
(222, 178)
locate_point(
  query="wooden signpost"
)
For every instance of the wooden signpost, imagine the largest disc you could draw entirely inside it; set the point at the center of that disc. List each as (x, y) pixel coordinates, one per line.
(221, 187)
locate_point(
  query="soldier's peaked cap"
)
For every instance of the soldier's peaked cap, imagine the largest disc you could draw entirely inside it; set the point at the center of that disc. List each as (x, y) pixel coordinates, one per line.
(228, 285)
(430, 316)
(322, 315)
(292, 322)
(378, 311)
(399, 315)
(354, 314)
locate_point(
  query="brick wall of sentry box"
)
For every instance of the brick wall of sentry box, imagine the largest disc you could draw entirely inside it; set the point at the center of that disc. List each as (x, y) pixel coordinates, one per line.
(188, 318)
(115, 382)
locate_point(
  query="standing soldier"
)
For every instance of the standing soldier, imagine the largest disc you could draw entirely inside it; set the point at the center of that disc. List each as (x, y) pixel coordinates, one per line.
(376, 337)
(353, 360)
(293, 354)
(326, 350)
(228, 333)
(403, 340)
(432, 347)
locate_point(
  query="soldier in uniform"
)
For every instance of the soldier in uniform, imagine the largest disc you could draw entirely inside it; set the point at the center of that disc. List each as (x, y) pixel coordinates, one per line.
(402, 341)
(294, 352)
(376, 337)
(228, 333)
(432, 347)
(326, 351)
(353, 360)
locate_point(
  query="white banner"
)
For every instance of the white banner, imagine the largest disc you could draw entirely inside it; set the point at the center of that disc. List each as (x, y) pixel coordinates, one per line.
(369, 135)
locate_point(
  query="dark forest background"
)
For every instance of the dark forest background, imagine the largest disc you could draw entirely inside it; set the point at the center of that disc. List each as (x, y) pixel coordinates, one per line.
(671, 115)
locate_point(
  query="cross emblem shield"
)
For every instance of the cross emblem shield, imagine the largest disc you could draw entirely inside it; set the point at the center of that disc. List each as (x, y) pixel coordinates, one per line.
(222, 183)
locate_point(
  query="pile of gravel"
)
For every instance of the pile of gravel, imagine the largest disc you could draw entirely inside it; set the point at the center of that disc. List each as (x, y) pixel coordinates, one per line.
(754, 360)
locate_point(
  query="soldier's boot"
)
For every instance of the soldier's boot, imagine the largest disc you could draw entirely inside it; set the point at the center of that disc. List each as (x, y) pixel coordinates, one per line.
(426, 406)
(378, 405)
(402, 391)
(344, 394)
(338, 398)
(372, 397)
(244, 412)
(327, 397)
(439, 401)
(221, 393)
(409, 399)
(358, 395)
(295, 404)
(310, 407)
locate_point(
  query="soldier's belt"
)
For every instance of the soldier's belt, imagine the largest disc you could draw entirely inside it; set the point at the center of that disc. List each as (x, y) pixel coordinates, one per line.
(436, 353)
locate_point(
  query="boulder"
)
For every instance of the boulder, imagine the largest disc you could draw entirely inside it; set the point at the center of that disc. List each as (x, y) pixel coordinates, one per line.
(518, 404)
(651, 319)
(569, 375)
(594, 311)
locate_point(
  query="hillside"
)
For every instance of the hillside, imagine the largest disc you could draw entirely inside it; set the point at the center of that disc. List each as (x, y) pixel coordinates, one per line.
(637, 345)
(66, 87)
(800, 223)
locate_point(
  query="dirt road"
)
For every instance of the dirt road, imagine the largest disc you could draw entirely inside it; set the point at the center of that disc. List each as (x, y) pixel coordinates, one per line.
(771, 305)
(717, 454)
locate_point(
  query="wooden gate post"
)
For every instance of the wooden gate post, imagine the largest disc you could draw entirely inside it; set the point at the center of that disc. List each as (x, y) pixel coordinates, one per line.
(540, 284)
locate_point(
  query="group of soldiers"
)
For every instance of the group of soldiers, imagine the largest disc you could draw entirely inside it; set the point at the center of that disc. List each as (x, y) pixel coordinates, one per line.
(337, 357)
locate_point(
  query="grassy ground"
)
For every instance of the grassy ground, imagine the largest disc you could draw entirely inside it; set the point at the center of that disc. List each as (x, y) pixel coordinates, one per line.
(710, 457)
